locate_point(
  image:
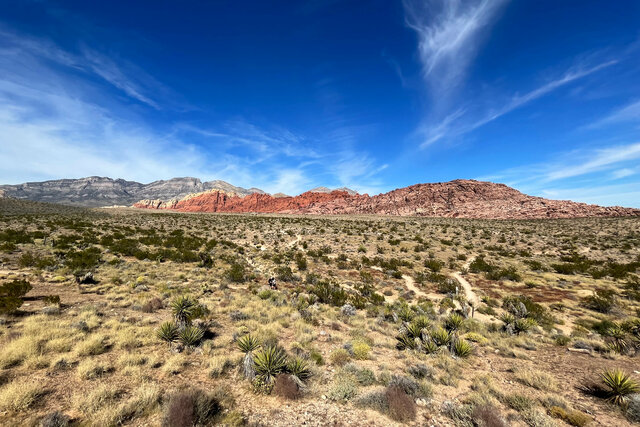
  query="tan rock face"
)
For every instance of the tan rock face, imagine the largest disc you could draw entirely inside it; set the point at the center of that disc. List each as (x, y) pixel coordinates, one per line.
(459, 198)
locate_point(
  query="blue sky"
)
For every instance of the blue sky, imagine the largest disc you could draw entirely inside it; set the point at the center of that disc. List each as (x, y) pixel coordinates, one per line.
(375, 95)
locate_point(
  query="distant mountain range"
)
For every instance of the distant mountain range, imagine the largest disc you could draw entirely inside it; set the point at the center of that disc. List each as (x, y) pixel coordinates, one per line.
(97, 191)
(458, 198)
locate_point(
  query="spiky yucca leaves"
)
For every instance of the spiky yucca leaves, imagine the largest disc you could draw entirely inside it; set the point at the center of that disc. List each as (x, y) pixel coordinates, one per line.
(299, 369)
(619, 343)
(462, 348)
(269, 362)
(429, 347)
(523, 325)
(421, 322)
(406, 314)
(620, 385)
(168, 332)
(441, 337)
(248, 343)
(191, 336)
(414, 330)
(453, 322)
(183, 309)
(405, 342)
(508, 319)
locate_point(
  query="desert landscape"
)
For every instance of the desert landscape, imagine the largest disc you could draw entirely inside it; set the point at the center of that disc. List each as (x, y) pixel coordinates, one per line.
(320, 213)
(128, 316)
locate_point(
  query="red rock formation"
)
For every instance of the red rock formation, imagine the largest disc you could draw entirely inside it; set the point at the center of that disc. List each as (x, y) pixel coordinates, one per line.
(459, 198)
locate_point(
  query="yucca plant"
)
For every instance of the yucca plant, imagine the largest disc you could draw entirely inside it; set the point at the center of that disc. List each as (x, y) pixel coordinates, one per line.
(269, 362)
(523, 325)
(299, 368)
(414, 330)
(453, 322)
(405, 342)
(183, 309)
(429, 346)
(441, 337)
(462, 348)
(191, 336)
(620, 385)
(168, 332)
(406, 314)
(508, 318)
(247, 345)
(421, 322)
(619, 342)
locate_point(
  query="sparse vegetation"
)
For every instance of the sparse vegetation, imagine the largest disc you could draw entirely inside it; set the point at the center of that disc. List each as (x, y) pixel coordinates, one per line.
(167, 307)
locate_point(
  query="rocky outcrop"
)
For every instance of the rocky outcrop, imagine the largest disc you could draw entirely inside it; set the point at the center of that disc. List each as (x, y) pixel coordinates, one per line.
(328, 190)
(98, 191)
(459, 198)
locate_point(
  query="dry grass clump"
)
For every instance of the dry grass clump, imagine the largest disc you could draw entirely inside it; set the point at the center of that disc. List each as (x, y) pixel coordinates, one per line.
(20, 394)
(218, 365)
(92, 345)
(96, 399)
(536, 379)
(18, 350)
(175, 364)
(90, 369)
(142, 401)
(340, 356)
(107, 405)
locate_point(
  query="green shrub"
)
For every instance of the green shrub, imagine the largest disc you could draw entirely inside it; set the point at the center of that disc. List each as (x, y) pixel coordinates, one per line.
(361, 350)
(345, 387)
(236, 273)
(11, 294)
(571, 417)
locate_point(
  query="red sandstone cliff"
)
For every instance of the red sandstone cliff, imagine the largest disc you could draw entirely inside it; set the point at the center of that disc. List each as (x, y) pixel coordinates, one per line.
(459, 198)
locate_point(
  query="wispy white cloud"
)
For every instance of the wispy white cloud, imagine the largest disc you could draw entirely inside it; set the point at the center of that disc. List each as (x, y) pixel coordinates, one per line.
(449, 35)
(57, 120)
(458, 123)
(600, 159)
(627, 194)
(578, 173)
(623, 173)
(628, 113)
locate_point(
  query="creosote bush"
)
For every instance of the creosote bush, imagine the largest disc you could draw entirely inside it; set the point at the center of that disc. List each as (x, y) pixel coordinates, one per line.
(402, 408)
(11, 294)
(190, 407)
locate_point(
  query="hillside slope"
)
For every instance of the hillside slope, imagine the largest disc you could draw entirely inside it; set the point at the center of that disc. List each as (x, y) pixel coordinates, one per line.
(459, 198)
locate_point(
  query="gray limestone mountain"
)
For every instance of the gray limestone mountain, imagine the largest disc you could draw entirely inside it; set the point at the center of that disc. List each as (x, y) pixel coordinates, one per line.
(97, 191)
(328, 190)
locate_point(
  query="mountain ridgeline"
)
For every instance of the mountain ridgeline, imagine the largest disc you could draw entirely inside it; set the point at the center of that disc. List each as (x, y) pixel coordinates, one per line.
(99, 191)
(458, 198)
